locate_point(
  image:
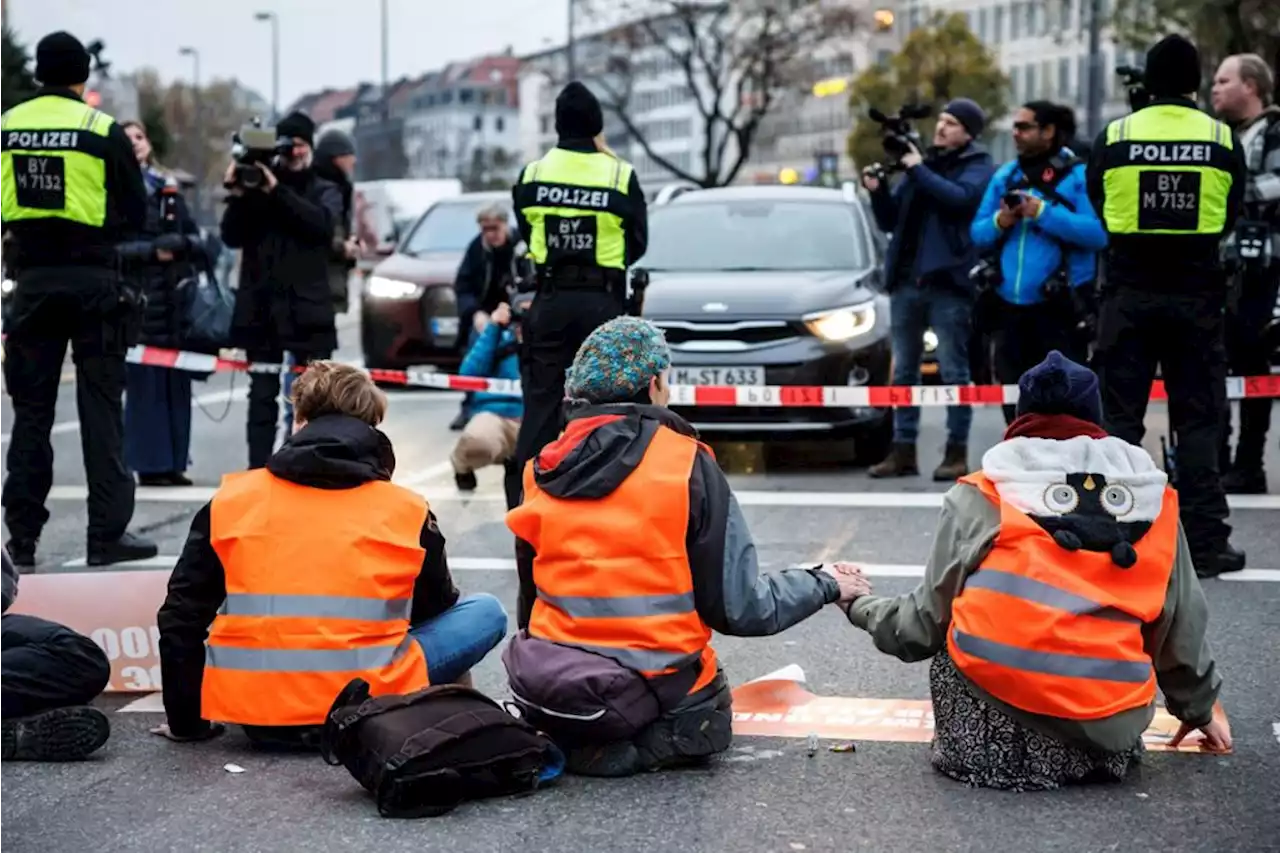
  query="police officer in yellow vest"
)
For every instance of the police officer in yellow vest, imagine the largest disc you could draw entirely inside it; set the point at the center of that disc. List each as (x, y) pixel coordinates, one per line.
(1168, 182)
(583, 216)
(72, 190)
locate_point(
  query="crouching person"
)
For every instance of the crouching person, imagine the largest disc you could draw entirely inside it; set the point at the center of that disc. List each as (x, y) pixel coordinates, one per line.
(50, 674)
(489, 437)
(631, 551)
(311, 572)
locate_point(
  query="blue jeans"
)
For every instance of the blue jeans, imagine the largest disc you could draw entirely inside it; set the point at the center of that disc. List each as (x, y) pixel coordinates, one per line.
(458, 639)
(913, 309)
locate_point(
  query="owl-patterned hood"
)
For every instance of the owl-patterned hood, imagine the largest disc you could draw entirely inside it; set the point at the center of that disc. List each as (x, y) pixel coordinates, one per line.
(1024, 471)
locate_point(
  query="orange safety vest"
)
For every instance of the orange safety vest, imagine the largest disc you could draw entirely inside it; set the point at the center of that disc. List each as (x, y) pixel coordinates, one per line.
(613, 574)
(1059, 633)
(319, 588)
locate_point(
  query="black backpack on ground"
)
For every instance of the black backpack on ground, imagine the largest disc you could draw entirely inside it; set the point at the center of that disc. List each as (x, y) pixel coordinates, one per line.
(422, 754)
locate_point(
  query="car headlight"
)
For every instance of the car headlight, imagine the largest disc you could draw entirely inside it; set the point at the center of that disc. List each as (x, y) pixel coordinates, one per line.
(930, 340)
(6, 286)
(842, 324)
(380, 287)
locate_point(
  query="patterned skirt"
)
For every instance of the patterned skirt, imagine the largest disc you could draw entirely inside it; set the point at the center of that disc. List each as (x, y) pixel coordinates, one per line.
(981, 746)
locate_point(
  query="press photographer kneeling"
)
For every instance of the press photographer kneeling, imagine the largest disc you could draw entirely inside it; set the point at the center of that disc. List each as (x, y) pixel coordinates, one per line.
(282, 215)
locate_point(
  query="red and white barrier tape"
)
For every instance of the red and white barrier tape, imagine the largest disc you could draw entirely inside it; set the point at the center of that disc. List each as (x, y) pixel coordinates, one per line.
(810, 396)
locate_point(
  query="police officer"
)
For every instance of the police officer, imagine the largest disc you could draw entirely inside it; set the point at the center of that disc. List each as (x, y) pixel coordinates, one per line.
(1168, 182)
(72, 189)
(583, 215)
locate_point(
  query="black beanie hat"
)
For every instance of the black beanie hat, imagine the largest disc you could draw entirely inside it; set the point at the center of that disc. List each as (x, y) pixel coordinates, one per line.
(61, 60)
(334, 143)
(1059, 386)
(1173, 68)
(578, 113)
(297, 125)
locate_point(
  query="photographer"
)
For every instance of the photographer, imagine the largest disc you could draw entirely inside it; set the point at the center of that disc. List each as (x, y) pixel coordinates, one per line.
(1242, 92)
(157, 412)
(927, 272)
(284, 226)
(490, 435)
(1041, 237)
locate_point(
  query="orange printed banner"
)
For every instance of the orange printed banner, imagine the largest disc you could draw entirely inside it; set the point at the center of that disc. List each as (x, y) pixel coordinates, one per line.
(117, 610)
(779, 705)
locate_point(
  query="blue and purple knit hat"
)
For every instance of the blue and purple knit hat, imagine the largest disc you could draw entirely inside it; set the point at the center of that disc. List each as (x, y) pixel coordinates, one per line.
(617, 361)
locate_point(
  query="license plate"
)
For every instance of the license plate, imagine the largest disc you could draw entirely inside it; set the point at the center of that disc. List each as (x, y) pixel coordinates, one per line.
(444, 326)
(745, 376)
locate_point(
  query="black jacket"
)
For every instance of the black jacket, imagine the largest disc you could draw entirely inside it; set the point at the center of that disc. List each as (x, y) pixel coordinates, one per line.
(332, 452)
(59, 243)
(731, 595)
(164, 314)
(1164, 263)
(340, 266)
(636, 225)
(286, 238)
(483, 277)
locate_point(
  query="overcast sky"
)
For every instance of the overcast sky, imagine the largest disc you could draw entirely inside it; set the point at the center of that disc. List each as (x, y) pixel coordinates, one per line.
(322, 42)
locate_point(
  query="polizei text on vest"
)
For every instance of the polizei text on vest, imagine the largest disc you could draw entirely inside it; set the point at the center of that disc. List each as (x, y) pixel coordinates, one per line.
(1171, 152)
(41, 140)
(572, 197)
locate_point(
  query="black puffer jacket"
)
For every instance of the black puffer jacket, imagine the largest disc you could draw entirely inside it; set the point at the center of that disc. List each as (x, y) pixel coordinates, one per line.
(286, 237)
(164, 316)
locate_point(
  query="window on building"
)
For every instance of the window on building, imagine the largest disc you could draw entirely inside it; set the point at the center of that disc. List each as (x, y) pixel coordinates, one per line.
(466, 96)
(544, 125)
(1015, 21)
(1064, 77)
(997, 24)
(1032, 13)
(446, 97)
(984, 24)
(913, 19)
(478, 123)
(1082, 78)
(499, 124)
(1032, 84)
(1015, 83)
(1065, 10)
(883, 57)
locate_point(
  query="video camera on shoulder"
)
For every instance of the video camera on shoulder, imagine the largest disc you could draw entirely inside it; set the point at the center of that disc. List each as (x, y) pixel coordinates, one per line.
(254, 144)
(1133, 78)
(898, 136)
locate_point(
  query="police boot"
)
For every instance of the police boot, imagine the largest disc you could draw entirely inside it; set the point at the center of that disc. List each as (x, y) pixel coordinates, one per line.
(1245, 481)
(22, 552)
(901, 462)
(62, 734)
(955, 464)
(1221, 562)
(125, 549)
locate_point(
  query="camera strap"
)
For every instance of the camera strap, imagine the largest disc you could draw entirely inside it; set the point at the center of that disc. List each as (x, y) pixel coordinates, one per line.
(1054, 173)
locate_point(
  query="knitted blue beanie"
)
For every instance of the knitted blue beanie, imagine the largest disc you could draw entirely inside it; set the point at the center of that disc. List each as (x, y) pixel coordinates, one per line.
(617, 361)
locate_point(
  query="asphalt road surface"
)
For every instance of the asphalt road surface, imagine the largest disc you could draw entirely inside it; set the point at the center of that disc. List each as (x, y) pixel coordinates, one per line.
(769, 794)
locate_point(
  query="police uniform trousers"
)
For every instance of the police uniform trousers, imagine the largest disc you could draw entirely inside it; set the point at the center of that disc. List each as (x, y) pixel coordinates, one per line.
(49, 308)
(1139, 329)
(1023, 336)
(270, 420)
(1249, 355)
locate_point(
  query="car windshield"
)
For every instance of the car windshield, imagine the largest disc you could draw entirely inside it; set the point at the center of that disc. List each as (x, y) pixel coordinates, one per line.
(448, 227)
(754, 235)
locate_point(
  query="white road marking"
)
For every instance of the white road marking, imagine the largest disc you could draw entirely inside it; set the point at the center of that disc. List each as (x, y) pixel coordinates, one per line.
(1275, 729)
(152, 703)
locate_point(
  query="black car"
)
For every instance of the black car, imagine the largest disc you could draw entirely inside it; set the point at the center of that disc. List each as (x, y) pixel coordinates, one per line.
(772, 285)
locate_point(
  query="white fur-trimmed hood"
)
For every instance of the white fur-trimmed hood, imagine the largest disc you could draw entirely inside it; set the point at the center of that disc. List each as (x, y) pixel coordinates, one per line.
(1023, 470)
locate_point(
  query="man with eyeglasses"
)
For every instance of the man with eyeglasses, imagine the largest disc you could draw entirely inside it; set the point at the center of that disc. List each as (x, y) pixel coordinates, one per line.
(488, 269)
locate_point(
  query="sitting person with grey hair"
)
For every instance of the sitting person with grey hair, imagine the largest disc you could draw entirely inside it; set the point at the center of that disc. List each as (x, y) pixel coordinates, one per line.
(487, 275)
(632, 551)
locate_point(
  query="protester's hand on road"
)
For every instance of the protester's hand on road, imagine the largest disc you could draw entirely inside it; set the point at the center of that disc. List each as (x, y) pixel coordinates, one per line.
(913, 157)
(502, 314)
(269, 181)
(1217, 735)
(869, 179)
(209, 732)
(853, 584)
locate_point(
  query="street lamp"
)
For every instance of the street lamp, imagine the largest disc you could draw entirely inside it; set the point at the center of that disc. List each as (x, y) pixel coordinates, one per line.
(198, 98)
(275, 61)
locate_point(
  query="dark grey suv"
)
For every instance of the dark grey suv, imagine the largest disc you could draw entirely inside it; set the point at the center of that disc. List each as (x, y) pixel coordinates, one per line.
(772, 285)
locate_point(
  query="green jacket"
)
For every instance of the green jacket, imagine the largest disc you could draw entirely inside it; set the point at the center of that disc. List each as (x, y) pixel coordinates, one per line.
(913, 627)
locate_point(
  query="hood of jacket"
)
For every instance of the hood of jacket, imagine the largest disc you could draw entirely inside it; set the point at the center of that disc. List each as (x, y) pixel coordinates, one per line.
(600, 448)
(334, 452)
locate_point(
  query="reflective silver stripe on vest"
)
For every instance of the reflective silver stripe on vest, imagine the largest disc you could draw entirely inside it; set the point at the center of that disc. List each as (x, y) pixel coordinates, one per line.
(620, 607)
(1040, 592)
(1049, 663)
(643, 660)
(316, 606)
(305, 660)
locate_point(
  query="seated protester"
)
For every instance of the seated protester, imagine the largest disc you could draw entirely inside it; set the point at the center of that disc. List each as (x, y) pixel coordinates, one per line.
(50, 673)
(489, 438)
(631, 551)
(1059, 594)
(312, 572)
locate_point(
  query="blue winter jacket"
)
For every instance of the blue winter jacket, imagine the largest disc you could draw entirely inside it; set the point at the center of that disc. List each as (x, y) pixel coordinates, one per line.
(493, 355)
(1033, 250)
(948, 191)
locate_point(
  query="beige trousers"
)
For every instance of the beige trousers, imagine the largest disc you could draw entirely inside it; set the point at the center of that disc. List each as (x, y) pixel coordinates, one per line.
(486, 440)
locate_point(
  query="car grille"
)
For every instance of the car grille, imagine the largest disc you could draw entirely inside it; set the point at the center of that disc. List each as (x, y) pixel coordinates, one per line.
(742, 334)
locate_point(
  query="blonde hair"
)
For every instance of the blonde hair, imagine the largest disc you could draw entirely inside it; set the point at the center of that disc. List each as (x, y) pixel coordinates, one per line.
(331, 388)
